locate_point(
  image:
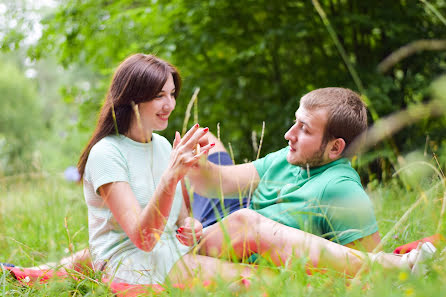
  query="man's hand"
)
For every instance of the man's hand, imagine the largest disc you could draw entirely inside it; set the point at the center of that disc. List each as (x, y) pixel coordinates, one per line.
(190, 232)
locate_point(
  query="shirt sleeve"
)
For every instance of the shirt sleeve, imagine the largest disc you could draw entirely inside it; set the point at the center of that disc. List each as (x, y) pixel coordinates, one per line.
(264, 163)
(105, 165)
(348, 212)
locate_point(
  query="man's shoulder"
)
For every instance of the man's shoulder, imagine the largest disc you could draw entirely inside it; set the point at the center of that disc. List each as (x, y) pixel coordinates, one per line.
(340, 180)
(341, 171)
(271, 161)
(279, 154)
(278, 157)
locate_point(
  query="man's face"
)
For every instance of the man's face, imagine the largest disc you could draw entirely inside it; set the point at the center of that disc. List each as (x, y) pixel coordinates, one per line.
(305, 138)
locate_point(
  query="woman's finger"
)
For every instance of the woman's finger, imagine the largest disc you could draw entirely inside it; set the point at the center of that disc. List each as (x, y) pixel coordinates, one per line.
(180, 239)
(186, 231)
(193, 222)
(177, 139)
(203, 141)
(191, 232)
(189, 133)
(195, 138)
(198, 235)
(188, 222)
(185, 240)
(204, 150)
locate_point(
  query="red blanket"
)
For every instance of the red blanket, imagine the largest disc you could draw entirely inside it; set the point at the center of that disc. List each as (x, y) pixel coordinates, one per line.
(434, 239)
(28, 276)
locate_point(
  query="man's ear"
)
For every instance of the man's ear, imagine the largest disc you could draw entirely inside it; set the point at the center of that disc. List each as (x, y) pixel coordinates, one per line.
(336, 148)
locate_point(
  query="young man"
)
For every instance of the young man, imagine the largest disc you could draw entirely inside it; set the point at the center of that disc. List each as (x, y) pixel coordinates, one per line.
(308, 185)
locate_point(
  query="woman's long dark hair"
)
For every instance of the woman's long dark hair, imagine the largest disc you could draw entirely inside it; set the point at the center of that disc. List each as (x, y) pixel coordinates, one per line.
(139, 78)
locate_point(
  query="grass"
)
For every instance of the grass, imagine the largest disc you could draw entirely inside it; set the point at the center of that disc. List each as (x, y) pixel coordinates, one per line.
(43, 217)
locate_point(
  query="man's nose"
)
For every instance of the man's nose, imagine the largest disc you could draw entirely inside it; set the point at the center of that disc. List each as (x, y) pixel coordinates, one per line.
(291, 133)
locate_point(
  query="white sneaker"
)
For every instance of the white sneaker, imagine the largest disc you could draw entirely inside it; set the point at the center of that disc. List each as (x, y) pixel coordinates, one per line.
(415, 258)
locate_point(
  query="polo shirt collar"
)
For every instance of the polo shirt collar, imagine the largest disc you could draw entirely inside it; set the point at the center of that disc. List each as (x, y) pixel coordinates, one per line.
(303, 172)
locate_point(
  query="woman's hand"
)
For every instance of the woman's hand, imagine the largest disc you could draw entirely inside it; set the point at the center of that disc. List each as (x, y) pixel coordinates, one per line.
(190, 232)
(187, 150)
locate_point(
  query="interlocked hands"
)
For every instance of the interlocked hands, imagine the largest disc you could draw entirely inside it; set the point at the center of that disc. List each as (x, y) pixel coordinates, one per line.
(187, 150)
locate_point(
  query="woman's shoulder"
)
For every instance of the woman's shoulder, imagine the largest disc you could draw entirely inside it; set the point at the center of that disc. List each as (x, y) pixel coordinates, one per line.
(111, 142)
(161, 141)
(109, 147)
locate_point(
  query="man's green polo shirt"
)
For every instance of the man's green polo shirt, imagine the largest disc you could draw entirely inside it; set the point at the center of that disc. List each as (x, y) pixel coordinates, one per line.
(328, 201)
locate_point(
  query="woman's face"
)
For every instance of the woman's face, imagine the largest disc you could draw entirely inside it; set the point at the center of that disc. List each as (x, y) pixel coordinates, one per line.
(155, 113)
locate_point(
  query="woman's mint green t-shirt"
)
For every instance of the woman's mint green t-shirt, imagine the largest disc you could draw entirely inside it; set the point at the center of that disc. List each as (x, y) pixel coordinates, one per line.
(118, 158)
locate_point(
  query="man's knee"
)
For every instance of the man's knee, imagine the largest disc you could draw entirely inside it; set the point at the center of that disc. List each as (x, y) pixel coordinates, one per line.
(244, 217)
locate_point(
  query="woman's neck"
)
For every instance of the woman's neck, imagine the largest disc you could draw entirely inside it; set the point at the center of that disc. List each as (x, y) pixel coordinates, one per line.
(139, 133)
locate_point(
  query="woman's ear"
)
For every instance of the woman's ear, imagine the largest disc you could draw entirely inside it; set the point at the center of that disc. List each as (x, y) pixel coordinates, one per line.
(337, 147)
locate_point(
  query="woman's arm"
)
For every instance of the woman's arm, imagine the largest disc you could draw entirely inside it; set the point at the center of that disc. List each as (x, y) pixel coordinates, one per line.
(145, 226)
(190, 229)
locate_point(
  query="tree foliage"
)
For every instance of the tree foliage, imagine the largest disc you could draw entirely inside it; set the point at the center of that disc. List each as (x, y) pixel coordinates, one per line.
(20, 121)
(253, 60)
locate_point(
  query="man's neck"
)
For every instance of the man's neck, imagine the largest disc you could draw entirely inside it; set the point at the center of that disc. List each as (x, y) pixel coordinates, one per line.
(310, 167)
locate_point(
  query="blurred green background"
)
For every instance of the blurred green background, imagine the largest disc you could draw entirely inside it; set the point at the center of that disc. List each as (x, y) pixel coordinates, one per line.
(252, 61)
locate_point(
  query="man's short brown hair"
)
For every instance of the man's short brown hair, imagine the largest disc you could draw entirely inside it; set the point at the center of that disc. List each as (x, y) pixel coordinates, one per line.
(347, 113)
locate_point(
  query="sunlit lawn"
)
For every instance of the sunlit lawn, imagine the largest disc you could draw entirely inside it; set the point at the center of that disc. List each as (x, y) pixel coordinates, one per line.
(43, 218)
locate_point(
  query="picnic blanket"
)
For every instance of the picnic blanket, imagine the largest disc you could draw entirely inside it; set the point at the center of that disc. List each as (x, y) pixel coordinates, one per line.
(27, 276)
(434, 239)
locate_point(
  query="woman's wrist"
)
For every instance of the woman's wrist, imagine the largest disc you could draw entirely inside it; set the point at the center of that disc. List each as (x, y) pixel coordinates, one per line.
(172, 176)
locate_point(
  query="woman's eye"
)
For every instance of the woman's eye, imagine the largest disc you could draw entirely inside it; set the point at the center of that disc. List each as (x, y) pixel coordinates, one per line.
(159, 96)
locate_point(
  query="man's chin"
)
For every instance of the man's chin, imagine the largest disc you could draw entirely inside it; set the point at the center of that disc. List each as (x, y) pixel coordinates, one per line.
(292, 160)
(303, 163)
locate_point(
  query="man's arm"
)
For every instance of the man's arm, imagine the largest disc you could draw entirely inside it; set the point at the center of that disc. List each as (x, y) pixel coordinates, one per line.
(368, 243)
(349, 214)
(211, 180)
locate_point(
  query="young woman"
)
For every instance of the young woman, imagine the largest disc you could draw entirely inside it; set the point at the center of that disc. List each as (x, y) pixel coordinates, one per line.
(132, 178)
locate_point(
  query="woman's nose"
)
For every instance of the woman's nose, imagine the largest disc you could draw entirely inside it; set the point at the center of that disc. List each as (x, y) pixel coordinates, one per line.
(169, 103)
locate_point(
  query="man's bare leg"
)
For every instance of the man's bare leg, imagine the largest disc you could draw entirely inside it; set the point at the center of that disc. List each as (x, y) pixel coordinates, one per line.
(250, 232)
(192, 266)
